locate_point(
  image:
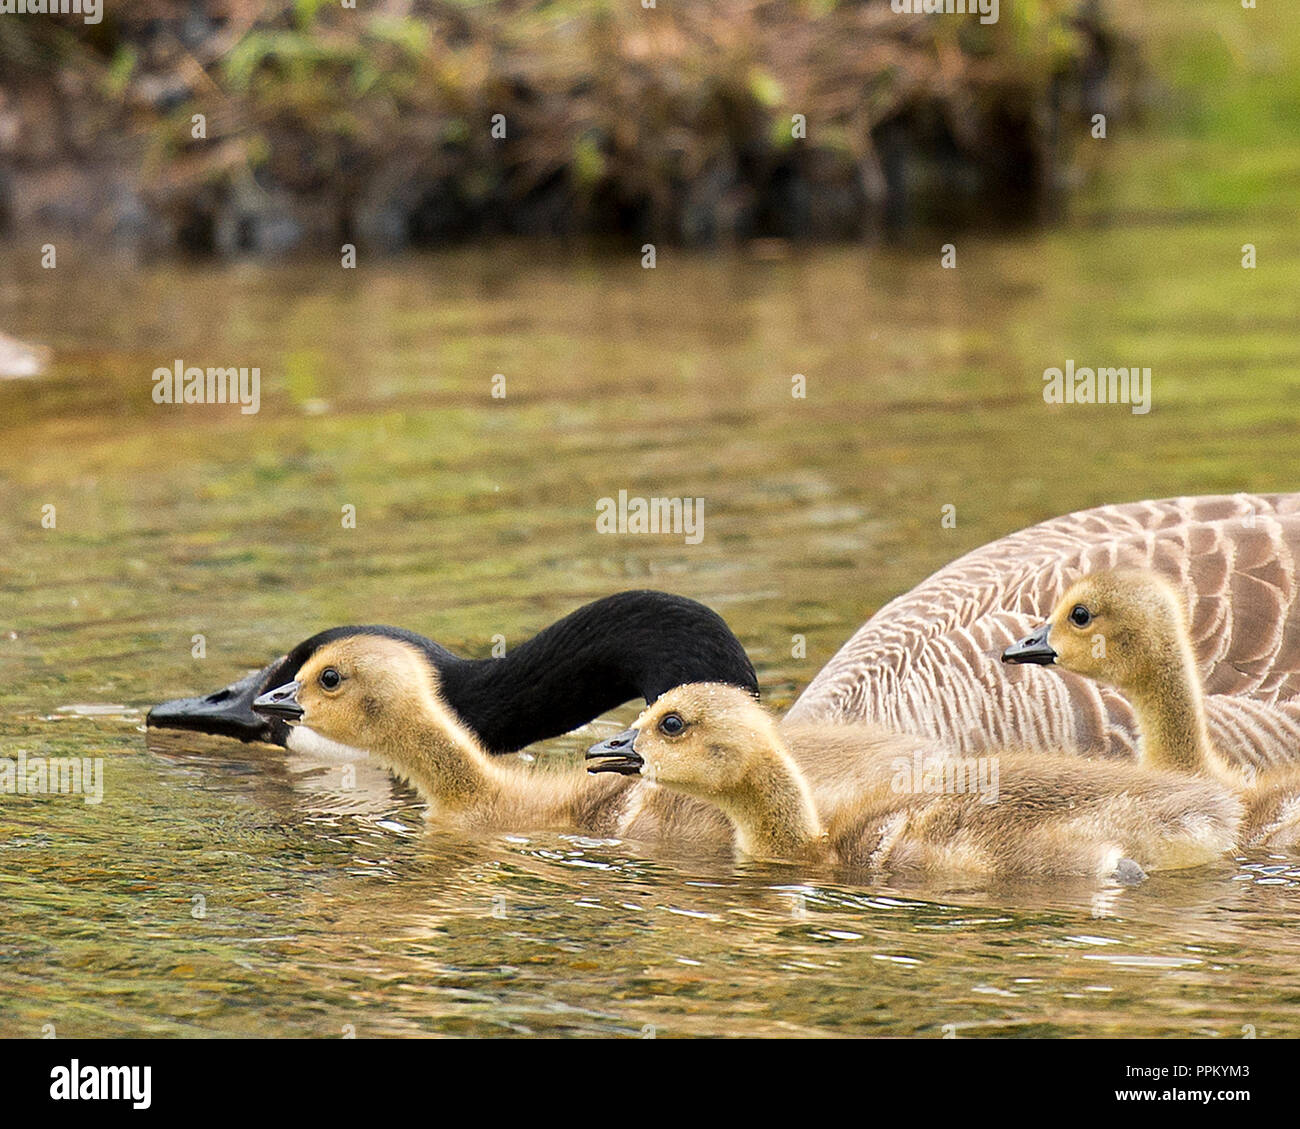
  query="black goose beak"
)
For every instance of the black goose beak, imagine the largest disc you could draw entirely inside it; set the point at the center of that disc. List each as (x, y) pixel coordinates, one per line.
(1033, 648)
(616, 755)
(227, 712)
(281, 702)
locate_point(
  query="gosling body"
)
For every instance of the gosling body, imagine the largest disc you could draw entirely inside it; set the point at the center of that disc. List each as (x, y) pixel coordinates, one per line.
(1051, 815)
(377, 692)
(1128, 628)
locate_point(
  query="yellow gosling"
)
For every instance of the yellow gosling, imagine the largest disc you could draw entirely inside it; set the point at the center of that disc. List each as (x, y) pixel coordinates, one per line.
(1128, 628)
(1056, 815)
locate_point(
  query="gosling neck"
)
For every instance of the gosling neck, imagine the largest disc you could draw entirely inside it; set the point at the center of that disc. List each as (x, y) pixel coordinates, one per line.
(1170, 709)
(773, 811)
(441, 759)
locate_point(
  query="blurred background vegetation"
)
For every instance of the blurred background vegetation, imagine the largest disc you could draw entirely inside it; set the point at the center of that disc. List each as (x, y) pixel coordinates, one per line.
(324, 124)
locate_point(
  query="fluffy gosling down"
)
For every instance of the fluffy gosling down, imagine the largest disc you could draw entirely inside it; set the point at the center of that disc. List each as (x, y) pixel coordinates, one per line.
(1049, 814)
(380, 693)
(1128, 628)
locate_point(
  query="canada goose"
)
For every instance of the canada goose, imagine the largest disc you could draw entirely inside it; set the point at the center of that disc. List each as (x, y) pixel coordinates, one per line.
(374, 691)
(378, 692)
(630, 645)
(1042, 815)
(927, 662)
(1128, 628)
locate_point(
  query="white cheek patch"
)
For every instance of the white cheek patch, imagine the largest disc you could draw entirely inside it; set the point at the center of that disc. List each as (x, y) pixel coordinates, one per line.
(310, 743)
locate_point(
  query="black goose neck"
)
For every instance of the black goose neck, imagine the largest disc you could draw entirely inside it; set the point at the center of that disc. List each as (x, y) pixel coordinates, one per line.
(630, 645)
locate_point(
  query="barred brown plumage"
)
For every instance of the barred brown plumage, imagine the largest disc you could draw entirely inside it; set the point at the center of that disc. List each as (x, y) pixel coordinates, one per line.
(928, 661)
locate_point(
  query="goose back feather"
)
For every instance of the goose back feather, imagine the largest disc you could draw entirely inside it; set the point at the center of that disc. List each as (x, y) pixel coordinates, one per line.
(928, 661)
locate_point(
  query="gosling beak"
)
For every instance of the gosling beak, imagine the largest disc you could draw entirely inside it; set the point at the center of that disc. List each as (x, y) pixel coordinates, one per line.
(227, 712)
(281, 702)
(1033, 648)
(616, 755)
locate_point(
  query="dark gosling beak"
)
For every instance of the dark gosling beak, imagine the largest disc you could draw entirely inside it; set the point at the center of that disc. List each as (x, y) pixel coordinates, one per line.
(616, 755)
(281, 702)
(1033, 648)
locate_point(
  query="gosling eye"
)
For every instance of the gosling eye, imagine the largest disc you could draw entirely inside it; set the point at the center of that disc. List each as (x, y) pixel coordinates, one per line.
(1080, 616)
(330, 678)
(672, 725)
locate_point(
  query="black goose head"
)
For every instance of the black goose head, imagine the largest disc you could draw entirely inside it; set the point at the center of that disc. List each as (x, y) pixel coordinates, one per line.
(630, 645)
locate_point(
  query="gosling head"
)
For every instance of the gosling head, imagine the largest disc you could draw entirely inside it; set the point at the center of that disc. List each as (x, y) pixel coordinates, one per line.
(360, 690)
(702, 738)
(1120, 627)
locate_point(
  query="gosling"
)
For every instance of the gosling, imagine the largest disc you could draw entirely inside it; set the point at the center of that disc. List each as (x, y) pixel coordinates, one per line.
(1047, 815)
(1128, 628)
(380, 693)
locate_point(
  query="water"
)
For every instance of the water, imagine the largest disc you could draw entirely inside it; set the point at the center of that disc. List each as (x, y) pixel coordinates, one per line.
(229, 889)
(324, 906)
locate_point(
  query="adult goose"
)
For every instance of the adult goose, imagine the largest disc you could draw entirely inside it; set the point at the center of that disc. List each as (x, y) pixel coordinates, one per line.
(629, 645)
(928, 661)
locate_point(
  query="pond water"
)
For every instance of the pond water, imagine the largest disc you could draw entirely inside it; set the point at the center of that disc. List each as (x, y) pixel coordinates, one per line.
(229, 889)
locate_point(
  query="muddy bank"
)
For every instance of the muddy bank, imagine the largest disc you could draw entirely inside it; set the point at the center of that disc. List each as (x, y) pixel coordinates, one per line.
(238, 126)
